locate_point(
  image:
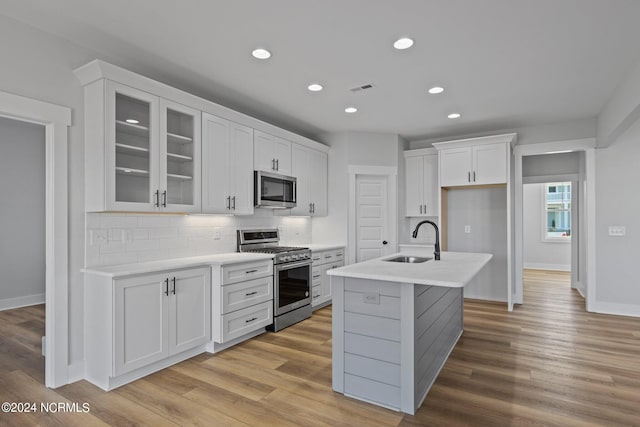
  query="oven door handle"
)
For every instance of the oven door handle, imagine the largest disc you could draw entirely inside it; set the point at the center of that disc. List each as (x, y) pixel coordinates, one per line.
(290, 265)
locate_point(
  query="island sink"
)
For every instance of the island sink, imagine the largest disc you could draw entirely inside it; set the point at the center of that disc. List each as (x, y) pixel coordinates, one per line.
(408, 259)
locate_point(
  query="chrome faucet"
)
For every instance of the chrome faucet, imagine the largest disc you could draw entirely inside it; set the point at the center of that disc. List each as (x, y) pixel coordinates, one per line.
(436, 254)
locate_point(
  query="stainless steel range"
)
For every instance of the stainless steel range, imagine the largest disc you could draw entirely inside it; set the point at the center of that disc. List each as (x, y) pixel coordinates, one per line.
(291, 275)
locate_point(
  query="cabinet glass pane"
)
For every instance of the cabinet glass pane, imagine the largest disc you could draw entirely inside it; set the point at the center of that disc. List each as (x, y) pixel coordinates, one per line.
(180, 155)
(132, 149)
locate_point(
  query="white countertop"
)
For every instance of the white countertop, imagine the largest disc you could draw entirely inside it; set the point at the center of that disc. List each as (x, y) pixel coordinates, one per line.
(319, 247)
(173, 264)
(454, 270)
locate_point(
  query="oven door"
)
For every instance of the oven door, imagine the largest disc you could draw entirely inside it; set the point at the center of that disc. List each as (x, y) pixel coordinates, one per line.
(292, 286)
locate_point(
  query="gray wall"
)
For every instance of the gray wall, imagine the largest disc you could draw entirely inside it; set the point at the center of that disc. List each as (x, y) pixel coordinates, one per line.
(618, 203)
(22, 213)
(485, 210)
(551, 164)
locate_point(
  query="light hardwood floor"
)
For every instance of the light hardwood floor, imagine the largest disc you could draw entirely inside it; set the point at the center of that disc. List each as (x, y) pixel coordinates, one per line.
(547, 363)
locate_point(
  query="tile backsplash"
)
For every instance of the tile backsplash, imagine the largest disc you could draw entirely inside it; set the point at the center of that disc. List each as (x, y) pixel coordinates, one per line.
(127, 238)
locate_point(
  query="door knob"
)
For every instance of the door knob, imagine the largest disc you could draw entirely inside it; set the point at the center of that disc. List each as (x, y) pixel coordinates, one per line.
(384, 242)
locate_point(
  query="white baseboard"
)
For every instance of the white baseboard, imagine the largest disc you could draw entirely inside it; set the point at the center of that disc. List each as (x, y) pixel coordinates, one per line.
(581, 290)
(9, 303)
(485, 297)
(75, 372)
(541, 266)
(617, 309)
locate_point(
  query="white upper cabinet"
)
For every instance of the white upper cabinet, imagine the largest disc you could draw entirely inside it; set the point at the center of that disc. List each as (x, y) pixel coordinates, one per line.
(309, 167)
(271, 153)
(142, 151)
(421, 175)
(227, 166)
(475, 161)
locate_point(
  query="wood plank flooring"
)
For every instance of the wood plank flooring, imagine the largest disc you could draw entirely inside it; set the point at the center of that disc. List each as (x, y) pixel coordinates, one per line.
(547, 363)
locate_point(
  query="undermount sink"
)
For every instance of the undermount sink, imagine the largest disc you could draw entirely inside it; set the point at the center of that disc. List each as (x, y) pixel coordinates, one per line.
(408, 259)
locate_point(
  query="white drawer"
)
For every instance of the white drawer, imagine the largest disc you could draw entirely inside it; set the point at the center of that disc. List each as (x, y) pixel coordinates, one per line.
(235, 273)
(247, 320)
(333, 256)
(245, 294)
(316, 276)
(338, 255)
(316, 257)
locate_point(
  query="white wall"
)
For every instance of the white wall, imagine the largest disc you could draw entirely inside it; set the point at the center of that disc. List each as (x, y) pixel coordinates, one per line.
(618, 203)
(40, 66)
(22, 213)
(129, 238)
(551, 164)
(538, 253)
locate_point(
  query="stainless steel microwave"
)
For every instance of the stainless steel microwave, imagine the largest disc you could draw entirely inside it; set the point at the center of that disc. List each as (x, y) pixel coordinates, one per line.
(274, 190)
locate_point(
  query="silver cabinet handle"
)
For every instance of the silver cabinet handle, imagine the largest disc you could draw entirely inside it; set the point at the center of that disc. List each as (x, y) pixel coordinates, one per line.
(234, 203)
(174, 285)
(315, 277)
(420, 209)
(166, 284)
(273, 164)
(251, 271)
(250, 320)
(474, 176)
(277, 164)
(228, 202)
(314, 208)
(164, 198)
(157, 198)
(310, 208)
(468, 176)
(316, 296)
(250, 293)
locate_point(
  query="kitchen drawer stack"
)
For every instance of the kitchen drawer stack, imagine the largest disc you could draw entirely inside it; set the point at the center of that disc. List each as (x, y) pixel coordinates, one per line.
(242, 296)
(321, 285)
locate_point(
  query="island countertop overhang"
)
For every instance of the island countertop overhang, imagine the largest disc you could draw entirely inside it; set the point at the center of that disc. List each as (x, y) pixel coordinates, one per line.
(454, 270)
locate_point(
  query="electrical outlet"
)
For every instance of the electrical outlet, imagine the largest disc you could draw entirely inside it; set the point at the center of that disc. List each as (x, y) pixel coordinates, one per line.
(617, 230)
(98, 237)
(127, 236)
(216, 235)
(371, 298)
(467, 229)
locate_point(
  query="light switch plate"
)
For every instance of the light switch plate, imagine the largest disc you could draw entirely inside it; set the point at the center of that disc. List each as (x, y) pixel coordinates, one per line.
(467, 229)
(617, 230)
(371, 298)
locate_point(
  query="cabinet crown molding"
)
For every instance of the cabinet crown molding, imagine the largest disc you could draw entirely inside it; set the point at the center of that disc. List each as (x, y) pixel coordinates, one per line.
(509, 138)
(420, 152)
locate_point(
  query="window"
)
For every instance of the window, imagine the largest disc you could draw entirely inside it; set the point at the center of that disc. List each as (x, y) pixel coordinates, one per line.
(557, 212)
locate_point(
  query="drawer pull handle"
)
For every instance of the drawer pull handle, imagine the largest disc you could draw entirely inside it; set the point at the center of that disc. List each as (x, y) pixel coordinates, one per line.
(316, 296)
(251, 271)
(315, 277)
(339, 254)
(250, 320)
(328, 256)
(250, 293)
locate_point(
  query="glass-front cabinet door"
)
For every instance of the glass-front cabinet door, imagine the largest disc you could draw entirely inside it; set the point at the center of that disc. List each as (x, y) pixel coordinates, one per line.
(179, 157)
(132, 144)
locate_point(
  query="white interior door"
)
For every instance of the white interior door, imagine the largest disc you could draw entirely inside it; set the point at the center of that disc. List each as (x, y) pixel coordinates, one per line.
(372, 227)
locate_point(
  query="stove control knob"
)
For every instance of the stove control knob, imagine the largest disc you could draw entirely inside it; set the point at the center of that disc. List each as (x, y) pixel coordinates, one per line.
(294, 257)
(284, 258)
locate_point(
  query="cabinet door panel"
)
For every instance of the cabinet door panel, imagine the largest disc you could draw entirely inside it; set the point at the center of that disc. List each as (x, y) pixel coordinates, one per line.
(455, 167)
(132, 159)
(318, 182)
(241, 151)
(301, 169)
(263, 151)
(215, 165)
(190, 310)
(414, 184)
(180, 150)
(490, 163)
(431, 188)
(141, 322)
(282, 154)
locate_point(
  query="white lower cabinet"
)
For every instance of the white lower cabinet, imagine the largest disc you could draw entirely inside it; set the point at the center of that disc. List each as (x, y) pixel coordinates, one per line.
(242, 297)
(323, 261)
(137, 325)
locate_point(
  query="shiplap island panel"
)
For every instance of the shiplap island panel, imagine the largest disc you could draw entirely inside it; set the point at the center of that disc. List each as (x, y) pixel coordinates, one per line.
(392, 337)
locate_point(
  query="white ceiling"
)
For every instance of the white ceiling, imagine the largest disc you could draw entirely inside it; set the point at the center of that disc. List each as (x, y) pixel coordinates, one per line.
(503, 63)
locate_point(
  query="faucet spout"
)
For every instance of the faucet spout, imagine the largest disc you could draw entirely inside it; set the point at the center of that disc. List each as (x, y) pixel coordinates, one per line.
(436, 254)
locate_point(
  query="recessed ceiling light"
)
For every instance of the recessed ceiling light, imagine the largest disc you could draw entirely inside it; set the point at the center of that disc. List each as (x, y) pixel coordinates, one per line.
(315, 87)
(454, 115)
(350, 110)
(403, 43)
(132, 121)
(261, 53)
(436, 89)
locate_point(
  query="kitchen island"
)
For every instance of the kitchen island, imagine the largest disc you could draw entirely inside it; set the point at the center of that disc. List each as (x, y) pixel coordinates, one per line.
(395, 324)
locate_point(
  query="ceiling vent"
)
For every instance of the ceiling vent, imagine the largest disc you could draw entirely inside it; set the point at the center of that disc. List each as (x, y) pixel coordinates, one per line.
(363, 87)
